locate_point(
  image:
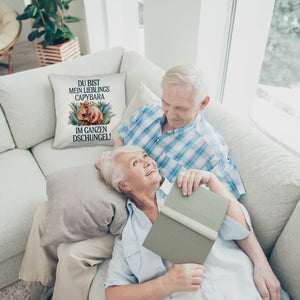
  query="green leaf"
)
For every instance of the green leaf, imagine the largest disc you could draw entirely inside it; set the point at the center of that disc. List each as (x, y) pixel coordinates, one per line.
(50, 6)
(56, 17)
(32, 11)
(58, 2)
(70, 35)
(42, 4)
(23, 16)
(45, 44)
(71, 19)
(38, 23)
(33, 35)
(41, 33)
(51, 27)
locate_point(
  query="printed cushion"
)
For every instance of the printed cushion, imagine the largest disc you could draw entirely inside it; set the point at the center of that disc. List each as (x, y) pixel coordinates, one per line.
(82, 206)
(88, 108)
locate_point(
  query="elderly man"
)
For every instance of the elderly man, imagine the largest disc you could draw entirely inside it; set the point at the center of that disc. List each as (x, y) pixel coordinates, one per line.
(141, 274)
(176, 135)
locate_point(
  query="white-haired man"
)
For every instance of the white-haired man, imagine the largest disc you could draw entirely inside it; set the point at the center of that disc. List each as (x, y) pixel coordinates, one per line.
(175, 134)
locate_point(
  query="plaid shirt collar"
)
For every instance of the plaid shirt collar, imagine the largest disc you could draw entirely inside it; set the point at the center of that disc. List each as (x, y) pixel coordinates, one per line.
(183, 129)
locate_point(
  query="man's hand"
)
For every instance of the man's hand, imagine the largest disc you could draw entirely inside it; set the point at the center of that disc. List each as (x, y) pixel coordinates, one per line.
(189, 180)
(183, 277)
(266, 282)
(102, 157)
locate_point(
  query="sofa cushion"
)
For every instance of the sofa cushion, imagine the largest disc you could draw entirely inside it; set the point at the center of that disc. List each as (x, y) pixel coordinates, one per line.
(31, 92)
(51, 160)
(270, 174)
(140, 69)
(6, 141)
(82, 206)
(23, 187)
(142, 96)
(88, 108)
(285, 255)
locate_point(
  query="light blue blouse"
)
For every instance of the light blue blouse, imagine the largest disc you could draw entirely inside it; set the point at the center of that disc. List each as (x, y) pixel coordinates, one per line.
(229, 271)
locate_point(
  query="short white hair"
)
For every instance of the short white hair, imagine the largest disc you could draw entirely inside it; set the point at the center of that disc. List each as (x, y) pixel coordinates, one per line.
(188, 74)
(112, 170)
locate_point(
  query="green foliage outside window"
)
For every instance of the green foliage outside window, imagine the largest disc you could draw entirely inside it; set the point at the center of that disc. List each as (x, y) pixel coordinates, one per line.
(281, 66)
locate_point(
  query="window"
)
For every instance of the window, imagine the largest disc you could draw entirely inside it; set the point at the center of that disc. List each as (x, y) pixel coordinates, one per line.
(276, 108)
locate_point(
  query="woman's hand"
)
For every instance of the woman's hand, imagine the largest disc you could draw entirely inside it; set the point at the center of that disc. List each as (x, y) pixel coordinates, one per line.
(189, 180)
(183, 277)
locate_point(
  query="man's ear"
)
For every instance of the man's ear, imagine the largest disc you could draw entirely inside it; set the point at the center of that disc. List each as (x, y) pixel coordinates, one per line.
(204, 103)
(124, 187)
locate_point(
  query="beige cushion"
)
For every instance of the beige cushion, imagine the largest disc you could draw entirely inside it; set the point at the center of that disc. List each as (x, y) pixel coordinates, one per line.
(51, 160)
(9, 26)
(6, 141)
(31, 92)
(285, 255)
(140, 69)
(88, 108)
(23, 187)
(82, 206)
(271, 175)
(142, 96)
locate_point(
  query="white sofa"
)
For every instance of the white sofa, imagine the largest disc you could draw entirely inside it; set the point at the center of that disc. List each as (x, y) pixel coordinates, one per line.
(27, 123)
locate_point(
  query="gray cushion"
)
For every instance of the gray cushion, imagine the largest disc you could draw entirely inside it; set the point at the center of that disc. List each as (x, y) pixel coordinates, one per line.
(81, 206)
(6, 141)
(30, 92)
(270, 174)
(23, 187)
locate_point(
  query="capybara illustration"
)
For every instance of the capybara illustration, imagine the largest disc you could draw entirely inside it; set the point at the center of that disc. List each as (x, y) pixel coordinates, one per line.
(89, 115)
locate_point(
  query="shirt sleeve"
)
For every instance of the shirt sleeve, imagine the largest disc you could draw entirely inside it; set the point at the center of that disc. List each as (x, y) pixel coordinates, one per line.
(119, 272)
(233, 230)
(225, 169)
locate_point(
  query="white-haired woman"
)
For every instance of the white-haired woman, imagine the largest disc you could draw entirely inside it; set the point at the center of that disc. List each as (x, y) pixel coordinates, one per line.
(137, 273)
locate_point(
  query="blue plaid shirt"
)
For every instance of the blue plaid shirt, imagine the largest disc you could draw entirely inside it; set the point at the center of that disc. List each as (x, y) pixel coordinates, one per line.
(195, 146)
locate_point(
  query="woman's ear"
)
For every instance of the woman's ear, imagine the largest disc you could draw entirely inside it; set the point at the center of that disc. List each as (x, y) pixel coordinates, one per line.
(124, 187)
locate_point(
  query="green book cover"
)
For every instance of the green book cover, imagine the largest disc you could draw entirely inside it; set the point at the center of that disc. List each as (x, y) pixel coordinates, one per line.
(187, 226)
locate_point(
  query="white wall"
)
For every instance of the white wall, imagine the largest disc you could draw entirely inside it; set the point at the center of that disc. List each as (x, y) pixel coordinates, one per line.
(171, 31)
(123, 23)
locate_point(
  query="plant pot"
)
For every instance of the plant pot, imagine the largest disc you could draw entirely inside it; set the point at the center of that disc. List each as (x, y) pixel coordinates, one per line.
(53, 54)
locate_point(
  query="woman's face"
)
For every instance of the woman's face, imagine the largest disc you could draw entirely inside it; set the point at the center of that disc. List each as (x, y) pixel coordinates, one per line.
(140, 170)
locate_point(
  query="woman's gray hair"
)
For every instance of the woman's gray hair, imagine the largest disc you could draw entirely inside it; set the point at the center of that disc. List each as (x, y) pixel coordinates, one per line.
(188, 74)
(111, 170)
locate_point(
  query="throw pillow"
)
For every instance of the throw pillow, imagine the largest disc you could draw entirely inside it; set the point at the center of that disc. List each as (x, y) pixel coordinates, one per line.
(88, 108)
(142, 96)
(81, 206)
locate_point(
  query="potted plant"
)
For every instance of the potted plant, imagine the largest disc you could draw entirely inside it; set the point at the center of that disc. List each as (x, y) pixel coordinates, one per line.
(49, 25)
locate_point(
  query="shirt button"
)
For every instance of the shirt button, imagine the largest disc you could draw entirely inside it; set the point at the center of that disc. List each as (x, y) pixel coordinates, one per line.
(157, 140)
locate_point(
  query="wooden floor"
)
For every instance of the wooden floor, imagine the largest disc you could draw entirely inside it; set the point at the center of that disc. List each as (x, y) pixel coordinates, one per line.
(23, 58)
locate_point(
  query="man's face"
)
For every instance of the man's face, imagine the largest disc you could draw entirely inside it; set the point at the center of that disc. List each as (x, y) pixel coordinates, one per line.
(140, 170)
(179, 105)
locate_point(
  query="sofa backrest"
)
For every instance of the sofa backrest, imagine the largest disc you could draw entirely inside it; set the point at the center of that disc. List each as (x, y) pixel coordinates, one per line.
(138, 69)
(270, 174)
(27, 97)
(6, 140)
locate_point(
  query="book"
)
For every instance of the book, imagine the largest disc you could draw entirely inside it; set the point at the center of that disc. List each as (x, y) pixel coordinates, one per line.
(187, 226)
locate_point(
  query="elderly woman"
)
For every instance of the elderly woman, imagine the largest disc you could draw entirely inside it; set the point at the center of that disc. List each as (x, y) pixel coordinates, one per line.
(137, 273)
